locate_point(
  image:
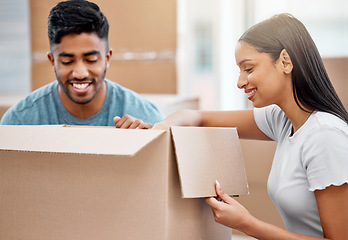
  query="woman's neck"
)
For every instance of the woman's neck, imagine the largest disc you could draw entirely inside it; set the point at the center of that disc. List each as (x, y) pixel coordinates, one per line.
(296, 115)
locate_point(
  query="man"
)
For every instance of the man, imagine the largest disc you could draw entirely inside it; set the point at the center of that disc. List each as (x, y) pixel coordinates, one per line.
(80, 54)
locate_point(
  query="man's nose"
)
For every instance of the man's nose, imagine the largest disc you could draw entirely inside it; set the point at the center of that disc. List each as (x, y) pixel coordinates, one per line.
(80, 70)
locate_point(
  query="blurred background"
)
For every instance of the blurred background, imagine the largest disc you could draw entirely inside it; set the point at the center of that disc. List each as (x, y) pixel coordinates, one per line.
(180, 47)
(179, 54)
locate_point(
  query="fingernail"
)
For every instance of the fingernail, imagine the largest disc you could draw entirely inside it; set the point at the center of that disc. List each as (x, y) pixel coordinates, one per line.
(217, 183)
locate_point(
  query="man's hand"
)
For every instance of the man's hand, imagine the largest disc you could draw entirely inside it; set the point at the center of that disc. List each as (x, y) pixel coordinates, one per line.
(130, 122)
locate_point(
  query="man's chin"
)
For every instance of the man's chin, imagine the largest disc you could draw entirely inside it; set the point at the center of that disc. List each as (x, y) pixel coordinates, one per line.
(81, 102)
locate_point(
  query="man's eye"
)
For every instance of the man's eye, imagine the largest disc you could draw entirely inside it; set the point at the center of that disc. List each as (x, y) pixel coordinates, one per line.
(91, 59)
(66, 62)
(248, 69)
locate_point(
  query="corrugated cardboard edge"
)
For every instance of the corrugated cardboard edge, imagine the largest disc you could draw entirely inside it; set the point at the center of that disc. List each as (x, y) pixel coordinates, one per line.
(177, 164)
(2, 148)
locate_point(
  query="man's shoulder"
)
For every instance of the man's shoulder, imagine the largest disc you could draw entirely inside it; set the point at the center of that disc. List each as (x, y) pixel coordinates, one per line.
(129, 102)
(117, 87)
(35, 98)
(35, 108)
(122, 93)
(39, 95)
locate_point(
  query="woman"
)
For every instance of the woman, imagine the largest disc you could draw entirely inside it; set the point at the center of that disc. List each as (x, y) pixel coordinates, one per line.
(295, 105)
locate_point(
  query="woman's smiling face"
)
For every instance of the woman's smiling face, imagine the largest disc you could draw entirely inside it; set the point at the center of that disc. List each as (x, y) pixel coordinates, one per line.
(262, 78)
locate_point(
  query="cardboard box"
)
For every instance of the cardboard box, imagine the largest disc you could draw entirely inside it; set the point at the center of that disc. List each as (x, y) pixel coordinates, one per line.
(61, 182)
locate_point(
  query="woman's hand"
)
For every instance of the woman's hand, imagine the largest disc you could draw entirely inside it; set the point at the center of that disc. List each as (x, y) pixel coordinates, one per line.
(184, 117)
(161, 126)
(130, 122)
(228, 211)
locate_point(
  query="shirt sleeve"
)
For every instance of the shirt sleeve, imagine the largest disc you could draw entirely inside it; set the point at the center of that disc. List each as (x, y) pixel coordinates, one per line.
(272, 121)
(325, 158)
(9, 118)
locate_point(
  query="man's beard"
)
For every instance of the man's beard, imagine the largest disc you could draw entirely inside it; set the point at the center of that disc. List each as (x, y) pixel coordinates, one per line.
(65, 89)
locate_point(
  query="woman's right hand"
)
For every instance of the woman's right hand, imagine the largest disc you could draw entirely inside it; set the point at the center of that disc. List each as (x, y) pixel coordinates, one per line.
(228, 211)
(161, 126)
(184, 117)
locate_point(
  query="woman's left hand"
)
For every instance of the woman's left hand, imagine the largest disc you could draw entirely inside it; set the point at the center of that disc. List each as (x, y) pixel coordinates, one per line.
(228, 211)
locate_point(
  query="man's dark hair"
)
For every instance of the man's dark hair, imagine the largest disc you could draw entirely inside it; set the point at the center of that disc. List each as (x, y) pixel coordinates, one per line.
(76, 16)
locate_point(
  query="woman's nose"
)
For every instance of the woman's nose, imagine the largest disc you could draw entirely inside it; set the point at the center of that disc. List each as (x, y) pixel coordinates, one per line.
(242, 81)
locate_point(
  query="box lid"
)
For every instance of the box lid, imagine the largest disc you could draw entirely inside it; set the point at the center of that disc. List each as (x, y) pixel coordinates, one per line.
(206, 154)
(75, 139)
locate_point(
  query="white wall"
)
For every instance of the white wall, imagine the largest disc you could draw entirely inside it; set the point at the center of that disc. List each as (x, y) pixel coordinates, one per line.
(14, 47)
(327, 21)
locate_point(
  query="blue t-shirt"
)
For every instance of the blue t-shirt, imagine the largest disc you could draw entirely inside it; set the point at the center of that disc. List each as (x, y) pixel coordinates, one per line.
(43, 107)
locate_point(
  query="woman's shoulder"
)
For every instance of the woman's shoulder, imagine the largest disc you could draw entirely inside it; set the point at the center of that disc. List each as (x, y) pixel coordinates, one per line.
(272, 114)
(326, 130)
(324, 120)
(272, 121)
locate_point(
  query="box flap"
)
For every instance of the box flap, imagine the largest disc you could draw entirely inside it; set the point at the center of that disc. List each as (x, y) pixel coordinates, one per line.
(73, 139)
(206, 154)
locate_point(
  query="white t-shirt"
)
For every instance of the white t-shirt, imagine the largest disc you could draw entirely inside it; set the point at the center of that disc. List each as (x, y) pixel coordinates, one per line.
(315, 157)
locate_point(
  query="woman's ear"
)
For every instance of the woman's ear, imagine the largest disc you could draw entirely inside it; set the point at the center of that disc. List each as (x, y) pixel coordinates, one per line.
(286, 61)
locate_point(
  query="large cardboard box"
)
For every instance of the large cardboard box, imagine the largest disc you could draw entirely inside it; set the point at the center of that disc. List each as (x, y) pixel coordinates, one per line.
(61, 182)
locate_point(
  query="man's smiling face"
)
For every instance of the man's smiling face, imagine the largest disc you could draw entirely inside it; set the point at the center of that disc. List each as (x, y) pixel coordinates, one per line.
(80, 62)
